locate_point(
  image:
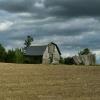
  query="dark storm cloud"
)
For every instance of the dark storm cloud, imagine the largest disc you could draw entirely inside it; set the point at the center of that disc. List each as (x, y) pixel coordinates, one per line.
(19, 6)
(73, 7)
(53, 7)
(16, 5)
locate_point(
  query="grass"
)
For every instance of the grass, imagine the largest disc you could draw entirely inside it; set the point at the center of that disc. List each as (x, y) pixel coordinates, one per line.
(49, 82)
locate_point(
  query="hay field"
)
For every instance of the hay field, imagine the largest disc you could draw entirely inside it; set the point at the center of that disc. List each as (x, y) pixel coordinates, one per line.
(49, 82)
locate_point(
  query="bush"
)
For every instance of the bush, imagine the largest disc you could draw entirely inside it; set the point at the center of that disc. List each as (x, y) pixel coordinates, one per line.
(62, 60)
(69, 61)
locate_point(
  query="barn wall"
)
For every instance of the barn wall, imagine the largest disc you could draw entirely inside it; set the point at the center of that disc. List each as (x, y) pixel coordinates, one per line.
(56, 56)
(89, 59)
(33, 59)
(77, 60)
(51, 55)
(46, 57)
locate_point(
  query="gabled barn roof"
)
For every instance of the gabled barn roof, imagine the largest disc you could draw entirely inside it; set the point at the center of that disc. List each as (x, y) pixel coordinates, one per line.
(35, 50)
(38, 50)
(57, 47)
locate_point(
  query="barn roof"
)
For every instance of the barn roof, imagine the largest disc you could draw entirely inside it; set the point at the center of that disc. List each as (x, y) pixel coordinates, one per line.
(38, 50)
(57, 47)
(35, 50)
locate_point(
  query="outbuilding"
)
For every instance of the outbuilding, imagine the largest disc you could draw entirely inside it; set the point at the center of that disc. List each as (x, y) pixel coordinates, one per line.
(46, 54)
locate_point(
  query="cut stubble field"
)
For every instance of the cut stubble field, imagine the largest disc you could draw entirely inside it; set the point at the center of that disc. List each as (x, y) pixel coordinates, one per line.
(49, 82)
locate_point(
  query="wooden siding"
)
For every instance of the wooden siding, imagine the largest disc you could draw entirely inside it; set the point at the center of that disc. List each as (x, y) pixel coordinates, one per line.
(51, 55)
(33, 59)
(89, 59)
(56, 56)
(46, 57)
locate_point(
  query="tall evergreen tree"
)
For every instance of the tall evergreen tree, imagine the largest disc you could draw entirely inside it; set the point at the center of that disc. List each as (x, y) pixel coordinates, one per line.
(28, 41)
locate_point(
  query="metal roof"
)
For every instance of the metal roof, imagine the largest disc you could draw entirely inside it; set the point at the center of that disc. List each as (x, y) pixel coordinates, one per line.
(35, 50)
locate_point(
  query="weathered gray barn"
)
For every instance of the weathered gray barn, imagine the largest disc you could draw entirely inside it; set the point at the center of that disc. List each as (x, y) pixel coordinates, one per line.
(46, 54)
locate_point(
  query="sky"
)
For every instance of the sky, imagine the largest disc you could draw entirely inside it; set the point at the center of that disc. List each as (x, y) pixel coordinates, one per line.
(72, 24)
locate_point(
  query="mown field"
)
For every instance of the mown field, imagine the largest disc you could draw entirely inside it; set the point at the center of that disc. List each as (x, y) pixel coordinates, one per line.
(49, 82)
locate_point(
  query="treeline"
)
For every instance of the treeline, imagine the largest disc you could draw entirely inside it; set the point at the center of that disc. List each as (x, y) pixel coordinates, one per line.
(11, 56)
(15, 55)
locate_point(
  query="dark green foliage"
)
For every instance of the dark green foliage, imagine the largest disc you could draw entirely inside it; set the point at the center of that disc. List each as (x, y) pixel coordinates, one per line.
(62, 60)
(19, 58)
(69, 61)
(28, 41)
(85, 51)
(14, 56)
(10, 57)
(2, 54)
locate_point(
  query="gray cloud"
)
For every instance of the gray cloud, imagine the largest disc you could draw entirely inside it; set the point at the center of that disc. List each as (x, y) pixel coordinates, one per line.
(53, 7)
(16, 5)
(73, 7)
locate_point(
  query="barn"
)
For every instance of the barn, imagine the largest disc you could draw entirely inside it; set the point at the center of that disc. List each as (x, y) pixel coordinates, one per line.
(43, 54)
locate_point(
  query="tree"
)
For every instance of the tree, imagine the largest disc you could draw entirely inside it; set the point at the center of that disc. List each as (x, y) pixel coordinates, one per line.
(10, 58)
(69, 61)
(85, 51)
(28, 41)
(61, 60)
(15, 56)
(2, 53)
(19, 58)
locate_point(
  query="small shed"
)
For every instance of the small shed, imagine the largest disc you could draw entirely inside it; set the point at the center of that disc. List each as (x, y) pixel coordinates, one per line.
(46, 54)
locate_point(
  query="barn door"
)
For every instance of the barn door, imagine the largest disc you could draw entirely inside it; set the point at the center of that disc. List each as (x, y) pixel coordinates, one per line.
(51, 58)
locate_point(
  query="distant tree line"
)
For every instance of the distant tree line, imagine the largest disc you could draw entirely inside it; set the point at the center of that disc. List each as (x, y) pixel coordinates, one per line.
(14, 55)
(11, 56)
